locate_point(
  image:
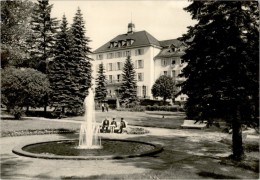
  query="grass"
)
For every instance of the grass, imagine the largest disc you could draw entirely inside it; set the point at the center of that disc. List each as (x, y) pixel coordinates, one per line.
(182, 158)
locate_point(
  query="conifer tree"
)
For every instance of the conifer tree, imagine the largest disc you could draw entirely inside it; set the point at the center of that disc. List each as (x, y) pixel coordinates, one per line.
(128, 87)
(222, 72)
(101, 91)
(80, 60)
(59, 69)
(42, 39)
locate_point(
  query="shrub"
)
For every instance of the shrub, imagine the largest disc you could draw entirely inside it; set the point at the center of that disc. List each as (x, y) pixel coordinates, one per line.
(17, 112)
(23, 87)
(162, 108)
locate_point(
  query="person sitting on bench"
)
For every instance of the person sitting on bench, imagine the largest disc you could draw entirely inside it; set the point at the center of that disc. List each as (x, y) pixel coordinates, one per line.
(122, 125)
(105, 125)
(113, 125)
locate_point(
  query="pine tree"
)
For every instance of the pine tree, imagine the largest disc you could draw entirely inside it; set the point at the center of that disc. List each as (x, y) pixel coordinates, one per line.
(101, 91)
(222, 72)
(42, 39)
(80, 60)
(59, 69)
(128, 92)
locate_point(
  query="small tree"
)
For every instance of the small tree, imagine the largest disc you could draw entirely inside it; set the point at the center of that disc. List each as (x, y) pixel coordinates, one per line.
(22, 88)
(101, 91)
(164, 87)
(128, 87)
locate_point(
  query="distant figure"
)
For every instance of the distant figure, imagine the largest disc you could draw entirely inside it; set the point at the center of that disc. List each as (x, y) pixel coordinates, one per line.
(105, 125)
(122, 125)
(113, 122)
(113, 125)
(103, 107)
(106, 106)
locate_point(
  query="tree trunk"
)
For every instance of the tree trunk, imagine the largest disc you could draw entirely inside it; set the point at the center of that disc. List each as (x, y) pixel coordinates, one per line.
(238, 150)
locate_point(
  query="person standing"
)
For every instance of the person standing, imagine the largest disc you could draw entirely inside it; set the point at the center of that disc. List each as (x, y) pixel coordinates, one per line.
(106, 105)
(103, 107)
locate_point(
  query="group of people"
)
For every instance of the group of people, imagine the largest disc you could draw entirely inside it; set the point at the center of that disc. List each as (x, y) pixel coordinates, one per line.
(113, 126)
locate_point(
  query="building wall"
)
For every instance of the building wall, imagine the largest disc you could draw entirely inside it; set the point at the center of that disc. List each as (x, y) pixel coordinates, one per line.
(144, 67)
(166, 66)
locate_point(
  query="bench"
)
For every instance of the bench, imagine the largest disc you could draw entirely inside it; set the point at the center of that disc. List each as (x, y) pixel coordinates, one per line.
(194, 124)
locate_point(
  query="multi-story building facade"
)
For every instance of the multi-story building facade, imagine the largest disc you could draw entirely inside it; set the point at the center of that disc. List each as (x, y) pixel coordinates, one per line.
(151, 59)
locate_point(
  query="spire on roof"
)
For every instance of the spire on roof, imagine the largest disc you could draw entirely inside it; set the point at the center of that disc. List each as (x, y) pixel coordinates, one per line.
(131, 27)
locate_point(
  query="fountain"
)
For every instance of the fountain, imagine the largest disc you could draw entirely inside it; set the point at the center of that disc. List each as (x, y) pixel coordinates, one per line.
(88, 146)
(89, 131)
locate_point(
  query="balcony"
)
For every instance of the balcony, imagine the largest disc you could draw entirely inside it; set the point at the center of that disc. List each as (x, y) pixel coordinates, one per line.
(114, 82)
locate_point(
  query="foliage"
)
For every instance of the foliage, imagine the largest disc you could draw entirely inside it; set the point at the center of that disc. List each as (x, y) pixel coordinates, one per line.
(222, 72)
(128, 92)
(161, 108)
(15, 30)
(164, 87)
(23, 87)
(42, 39)
(60, 69)
(101, 91)
(80, 72)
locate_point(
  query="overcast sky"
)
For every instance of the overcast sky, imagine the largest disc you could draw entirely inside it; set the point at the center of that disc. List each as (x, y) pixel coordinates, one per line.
(164, 19)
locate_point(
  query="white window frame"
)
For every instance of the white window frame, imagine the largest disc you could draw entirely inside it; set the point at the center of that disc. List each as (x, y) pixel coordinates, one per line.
(110, 55)
(140, 76)
(139, 52)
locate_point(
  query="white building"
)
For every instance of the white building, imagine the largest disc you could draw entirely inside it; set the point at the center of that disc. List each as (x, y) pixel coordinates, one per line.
(151, 59)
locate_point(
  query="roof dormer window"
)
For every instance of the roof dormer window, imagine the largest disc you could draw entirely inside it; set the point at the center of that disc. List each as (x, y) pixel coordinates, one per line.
(111, 45)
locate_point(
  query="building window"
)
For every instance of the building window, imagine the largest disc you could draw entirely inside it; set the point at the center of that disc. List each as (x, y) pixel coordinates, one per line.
(139, 52)
(110, 78)
(165, 73)
(140, 76)
(126, 53)
(119, 65)
(118, 77)
(144, 91)
(118, 54)
(110, 66)
(173, 62)
(99, 56)
(173, 75)
(164, 62)
(109, 55)
(139, 64)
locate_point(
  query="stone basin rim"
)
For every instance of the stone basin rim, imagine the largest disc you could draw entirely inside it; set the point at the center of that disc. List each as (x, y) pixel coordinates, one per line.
(19, 151)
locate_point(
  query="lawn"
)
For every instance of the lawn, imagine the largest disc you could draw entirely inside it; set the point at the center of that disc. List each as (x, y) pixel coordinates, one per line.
(182, 158)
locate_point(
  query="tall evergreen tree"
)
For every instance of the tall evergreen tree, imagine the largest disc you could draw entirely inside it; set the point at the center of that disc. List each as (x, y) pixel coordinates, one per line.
(59, 69)
(222, 72)
(128, 92)
(101, 91)
(80, 60)
(42, 39)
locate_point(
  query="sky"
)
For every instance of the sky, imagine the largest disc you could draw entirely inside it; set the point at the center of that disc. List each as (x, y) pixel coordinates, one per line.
(105, 19)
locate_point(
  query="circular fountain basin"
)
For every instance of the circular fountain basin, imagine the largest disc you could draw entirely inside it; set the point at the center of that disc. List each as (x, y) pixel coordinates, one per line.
(68, 149)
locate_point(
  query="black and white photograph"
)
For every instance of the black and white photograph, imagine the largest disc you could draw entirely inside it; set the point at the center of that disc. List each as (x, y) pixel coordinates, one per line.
(133, 89)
